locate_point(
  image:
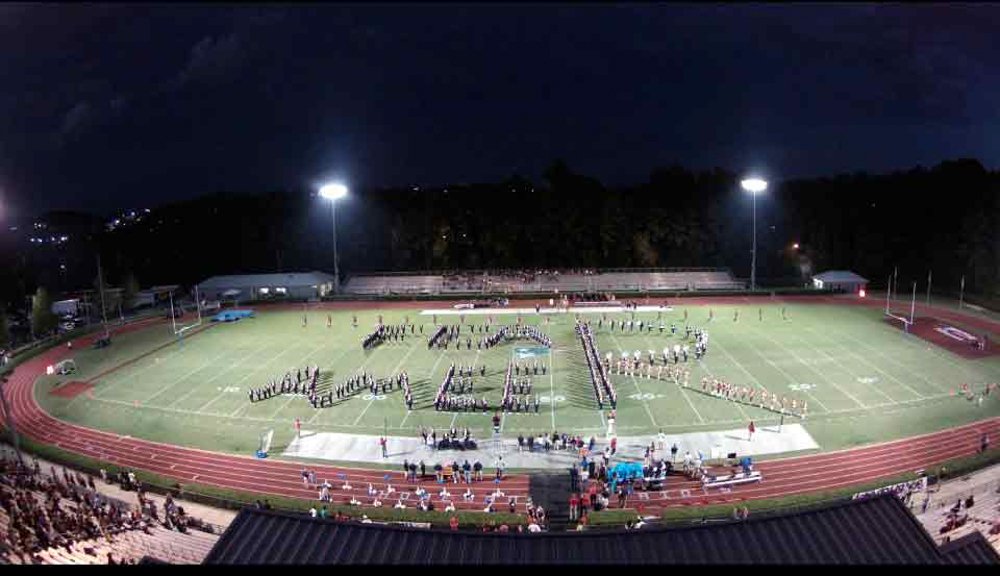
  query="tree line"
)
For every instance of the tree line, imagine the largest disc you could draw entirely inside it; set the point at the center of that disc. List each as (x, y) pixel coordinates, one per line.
(942, 218)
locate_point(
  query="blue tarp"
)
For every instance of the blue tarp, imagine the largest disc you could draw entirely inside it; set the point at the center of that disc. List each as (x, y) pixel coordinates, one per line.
(232, 315)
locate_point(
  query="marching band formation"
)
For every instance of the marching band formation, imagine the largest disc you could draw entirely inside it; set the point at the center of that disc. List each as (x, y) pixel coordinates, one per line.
(457, 391)
(289, 384)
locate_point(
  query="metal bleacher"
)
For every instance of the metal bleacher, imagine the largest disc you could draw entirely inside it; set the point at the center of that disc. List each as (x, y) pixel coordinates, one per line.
(478, 282)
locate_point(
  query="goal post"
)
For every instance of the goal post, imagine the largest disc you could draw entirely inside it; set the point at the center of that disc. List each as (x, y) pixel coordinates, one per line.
(179, 331)
(902, 317)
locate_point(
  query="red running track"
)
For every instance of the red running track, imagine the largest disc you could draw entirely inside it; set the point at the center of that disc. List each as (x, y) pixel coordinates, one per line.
(784, 477)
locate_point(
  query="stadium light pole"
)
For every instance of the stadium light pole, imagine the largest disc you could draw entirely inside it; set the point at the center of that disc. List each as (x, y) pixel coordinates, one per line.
(334, 192)
(754, 186)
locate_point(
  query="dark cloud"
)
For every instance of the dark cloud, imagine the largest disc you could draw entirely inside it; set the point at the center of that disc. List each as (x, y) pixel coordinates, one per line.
(212, 60)
(180, 100)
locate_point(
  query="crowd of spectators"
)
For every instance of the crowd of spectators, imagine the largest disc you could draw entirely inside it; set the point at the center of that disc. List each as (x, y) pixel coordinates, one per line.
(40, 510)
(512, 280)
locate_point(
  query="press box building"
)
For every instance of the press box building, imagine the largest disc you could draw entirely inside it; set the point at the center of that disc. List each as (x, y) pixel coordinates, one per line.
(290, 286)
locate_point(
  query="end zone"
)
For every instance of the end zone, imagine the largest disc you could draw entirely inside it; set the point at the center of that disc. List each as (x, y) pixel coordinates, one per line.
(950, 337)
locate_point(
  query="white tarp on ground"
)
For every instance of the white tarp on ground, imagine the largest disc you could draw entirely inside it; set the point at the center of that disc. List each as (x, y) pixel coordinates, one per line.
(546, 310)
(362, 448)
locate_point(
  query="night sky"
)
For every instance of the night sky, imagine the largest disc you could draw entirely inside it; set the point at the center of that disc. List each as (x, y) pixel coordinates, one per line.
(117, 106)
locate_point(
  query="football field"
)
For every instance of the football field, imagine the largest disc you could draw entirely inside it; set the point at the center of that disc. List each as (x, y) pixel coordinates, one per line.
(864, 379)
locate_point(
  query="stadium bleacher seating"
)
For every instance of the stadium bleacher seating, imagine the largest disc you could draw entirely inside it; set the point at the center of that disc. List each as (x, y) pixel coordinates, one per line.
(566, 282)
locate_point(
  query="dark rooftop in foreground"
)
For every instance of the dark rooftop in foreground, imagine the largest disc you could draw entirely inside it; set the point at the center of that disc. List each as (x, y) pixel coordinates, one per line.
(874, 531)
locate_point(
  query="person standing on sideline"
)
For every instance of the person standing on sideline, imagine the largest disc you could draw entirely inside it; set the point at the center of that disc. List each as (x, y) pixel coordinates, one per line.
(751, 429)
(298, 428)
(382, 443)
(673, 453)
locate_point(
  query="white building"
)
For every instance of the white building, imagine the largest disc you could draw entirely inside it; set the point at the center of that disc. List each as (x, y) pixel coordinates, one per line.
(292, 286)
(843, 280)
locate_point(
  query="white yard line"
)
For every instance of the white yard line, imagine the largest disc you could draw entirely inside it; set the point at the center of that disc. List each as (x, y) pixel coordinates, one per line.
(821, 375)
(292, 397)
(865, 360)
(221, 372)
(393, 371)
(266, 365)
(188, 375)
(552, 389)
(788, 376)
(644, 402)
(123, 374)
(684, 391)
(926, 348)
(429, 376)
(740, 366)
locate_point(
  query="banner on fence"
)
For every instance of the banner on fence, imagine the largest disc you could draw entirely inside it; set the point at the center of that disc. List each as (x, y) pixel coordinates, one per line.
(901, 490)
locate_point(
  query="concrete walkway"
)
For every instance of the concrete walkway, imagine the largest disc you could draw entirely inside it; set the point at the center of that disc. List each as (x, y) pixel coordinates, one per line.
(361, 448)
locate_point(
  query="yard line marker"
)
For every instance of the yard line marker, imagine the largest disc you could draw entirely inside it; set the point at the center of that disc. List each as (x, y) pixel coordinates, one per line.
(684, 391)
(865, 360)
(821, 375)
(188, 375)
(195, 388)
(245, 406)
(741, 367)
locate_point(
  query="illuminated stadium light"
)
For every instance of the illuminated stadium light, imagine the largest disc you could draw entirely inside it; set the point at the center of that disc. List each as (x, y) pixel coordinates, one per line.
(333, 191)
(795, 246)
(754, 185)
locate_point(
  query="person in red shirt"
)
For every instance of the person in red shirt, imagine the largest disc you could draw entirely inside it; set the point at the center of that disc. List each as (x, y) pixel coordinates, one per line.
(751, 428)
(298, 428)
(573, 503)
(614, 445)
(453, 523)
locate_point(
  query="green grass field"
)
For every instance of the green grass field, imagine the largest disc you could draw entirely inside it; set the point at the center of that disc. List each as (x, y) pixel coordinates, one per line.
(865, 381)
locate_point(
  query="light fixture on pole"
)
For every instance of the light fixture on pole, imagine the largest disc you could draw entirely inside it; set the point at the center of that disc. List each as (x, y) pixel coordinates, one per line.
(754, 186)
(334, 192)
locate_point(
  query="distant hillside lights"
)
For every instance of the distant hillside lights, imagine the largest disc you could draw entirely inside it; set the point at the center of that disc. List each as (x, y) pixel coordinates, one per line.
(126, 217)
(49, 240)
